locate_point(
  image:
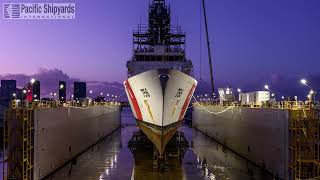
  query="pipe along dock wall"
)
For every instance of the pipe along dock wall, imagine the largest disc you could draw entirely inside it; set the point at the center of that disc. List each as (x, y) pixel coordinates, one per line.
(285, 142)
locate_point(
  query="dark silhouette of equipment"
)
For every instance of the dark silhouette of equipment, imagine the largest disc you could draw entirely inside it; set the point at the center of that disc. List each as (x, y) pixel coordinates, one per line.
(36, 90)
(62, 91)
(209, 48)
(80, 90)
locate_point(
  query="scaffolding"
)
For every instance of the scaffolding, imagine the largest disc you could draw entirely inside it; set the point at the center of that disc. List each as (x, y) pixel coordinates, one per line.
(19, 135)
(159, 40)
(19, 130)
(304, 143)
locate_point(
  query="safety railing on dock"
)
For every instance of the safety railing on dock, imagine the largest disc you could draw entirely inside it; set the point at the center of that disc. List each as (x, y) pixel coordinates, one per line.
(275, 105)
(15, 104)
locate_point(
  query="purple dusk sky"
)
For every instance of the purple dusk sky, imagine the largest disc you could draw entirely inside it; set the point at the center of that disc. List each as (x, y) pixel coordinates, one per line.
(251, 39)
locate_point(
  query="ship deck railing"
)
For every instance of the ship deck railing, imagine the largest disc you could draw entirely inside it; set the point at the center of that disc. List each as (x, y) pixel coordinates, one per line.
(144, 29)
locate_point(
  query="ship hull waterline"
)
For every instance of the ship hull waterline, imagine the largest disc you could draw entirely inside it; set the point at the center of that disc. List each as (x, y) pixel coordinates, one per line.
(159, 99)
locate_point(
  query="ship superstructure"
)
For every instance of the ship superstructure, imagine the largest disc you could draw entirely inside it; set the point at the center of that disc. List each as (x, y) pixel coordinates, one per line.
(160, 85)
(158, 44)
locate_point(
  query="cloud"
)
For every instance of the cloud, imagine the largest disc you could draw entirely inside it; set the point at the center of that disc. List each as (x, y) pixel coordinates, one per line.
(49, 80)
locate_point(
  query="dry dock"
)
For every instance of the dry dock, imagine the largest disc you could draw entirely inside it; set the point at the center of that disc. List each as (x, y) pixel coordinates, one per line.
(283, 139)
(44, 136)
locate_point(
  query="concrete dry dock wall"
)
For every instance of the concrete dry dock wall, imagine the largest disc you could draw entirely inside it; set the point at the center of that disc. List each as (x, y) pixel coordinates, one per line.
(260, 135)
(60, 134)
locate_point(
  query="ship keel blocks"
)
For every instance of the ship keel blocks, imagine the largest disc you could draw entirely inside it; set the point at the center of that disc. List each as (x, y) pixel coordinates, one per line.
(160, 136)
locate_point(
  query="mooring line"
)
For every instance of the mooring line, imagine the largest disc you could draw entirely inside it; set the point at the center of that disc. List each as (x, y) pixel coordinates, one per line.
(211, 112)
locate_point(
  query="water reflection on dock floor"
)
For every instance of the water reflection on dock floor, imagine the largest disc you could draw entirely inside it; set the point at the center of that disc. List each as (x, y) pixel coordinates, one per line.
(213, 161)
(112, 159)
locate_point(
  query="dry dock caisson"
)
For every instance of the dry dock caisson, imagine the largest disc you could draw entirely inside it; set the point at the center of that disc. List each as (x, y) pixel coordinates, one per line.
(283, 139)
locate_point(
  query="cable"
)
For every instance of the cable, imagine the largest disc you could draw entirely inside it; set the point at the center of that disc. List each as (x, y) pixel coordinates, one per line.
(216, 113)
(121, 94)
(200, 42)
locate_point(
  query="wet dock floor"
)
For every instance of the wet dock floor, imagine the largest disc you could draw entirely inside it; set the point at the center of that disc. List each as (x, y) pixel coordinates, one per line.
(112, 159)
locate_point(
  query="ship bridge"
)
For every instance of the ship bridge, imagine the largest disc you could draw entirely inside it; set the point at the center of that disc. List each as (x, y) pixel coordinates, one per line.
(158, 44)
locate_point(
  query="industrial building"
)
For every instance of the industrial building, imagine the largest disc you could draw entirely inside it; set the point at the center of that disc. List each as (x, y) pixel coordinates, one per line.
(62, 91)
(255, 98)
(226, 94)
(36, 90)
(80, 90)
(8, 89)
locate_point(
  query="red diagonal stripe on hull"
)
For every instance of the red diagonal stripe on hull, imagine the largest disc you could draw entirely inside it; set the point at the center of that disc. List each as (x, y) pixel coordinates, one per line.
(186, 103)
(134, 101)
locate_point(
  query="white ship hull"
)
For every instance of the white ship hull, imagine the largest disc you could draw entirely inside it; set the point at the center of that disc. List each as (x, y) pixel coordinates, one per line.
(159, 99)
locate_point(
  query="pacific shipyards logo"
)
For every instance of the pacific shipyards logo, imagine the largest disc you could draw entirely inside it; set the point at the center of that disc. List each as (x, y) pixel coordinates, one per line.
(39, 10)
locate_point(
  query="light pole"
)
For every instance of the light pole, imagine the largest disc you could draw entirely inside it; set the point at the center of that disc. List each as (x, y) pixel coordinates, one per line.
(304, 82)
(14, 95)
(312, 92)
(53, 94)
(90, 92)
(26, 90)
(309, 97)
(32, 81)
(239, 92)
(267, 87)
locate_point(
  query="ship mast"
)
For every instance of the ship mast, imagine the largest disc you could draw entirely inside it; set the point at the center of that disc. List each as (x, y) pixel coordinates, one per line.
(159, 41)
(208, 46)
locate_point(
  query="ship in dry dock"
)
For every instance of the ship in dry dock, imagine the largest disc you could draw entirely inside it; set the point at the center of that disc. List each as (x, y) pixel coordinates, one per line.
(160, 83)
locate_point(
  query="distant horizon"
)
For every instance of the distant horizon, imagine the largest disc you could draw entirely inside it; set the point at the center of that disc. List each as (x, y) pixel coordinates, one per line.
(49, 79)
